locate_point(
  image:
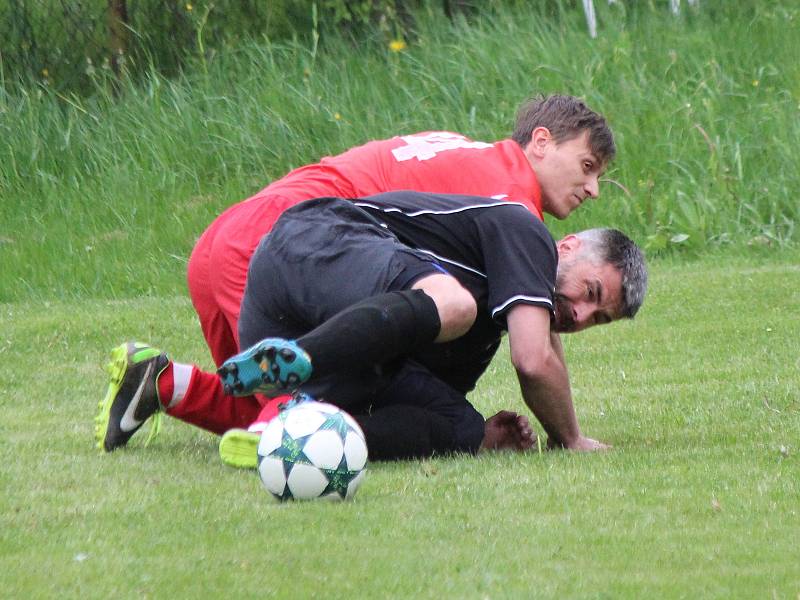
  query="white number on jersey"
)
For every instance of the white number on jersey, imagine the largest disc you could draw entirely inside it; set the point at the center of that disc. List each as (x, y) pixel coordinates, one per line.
(426, 146)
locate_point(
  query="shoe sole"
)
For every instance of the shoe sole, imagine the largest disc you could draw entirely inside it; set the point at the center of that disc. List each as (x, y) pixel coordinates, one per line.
(272, 366)
(239, 448)
(116, 369)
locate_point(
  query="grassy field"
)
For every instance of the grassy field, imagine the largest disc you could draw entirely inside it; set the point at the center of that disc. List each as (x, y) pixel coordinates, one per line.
(104, 197)
(699, 497)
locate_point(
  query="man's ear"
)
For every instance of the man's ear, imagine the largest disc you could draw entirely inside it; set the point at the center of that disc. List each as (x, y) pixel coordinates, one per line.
(569, 245)
(540, 138)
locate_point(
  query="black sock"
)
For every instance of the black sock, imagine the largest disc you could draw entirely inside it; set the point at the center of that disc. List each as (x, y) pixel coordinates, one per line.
(372, 332)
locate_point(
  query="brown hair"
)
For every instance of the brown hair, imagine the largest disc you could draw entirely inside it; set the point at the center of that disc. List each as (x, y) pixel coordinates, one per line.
(566, 117)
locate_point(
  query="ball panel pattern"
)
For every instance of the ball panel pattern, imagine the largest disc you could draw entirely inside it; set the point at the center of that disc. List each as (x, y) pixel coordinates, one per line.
(306, 481)
(312, 450)
(301, 421)
(353, 485)
(271, 438)
(324, 449)
(272, 475)
(355, 451)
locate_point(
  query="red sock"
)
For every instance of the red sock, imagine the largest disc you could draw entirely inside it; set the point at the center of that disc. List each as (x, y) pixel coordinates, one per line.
(270, 409)
(166, 386)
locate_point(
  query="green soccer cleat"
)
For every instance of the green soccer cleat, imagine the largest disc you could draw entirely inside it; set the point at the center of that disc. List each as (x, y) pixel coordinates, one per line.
(239, 448)
(132, 395)
(272, 367)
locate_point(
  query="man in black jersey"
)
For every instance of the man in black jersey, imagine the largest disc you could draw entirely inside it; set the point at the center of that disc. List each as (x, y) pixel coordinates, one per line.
(392, 307)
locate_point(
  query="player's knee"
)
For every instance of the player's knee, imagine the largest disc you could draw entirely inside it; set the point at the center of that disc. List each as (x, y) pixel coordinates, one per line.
(456, 305)
(460, 312)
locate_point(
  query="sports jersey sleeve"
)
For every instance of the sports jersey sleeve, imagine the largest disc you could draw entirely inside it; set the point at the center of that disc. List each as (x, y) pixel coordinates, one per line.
(520, 258)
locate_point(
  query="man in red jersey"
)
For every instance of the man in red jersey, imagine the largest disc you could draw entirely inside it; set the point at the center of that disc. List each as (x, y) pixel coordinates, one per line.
(551, 163)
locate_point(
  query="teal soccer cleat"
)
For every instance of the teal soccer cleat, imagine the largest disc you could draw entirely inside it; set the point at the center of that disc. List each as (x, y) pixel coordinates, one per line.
(272, 367)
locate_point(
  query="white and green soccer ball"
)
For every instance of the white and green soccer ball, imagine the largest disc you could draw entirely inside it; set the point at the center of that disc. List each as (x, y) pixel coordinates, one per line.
(312, 450)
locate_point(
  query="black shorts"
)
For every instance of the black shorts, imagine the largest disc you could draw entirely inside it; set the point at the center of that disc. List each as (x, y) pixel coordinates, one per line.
(321, 257)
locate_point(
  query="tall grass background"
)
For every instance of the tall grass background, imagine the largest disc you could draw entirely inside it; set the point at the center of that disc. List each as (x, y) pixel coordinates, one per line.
(104, 196)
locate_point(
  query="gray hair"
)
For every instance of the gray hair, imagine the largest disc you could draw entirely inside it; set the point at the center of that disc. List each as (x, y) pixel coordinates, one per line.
(617, 249)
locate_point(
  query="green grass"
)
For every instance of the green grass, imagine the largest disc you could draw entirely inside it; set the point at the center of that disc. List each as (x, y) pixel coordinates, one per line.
(104, 196)
(699, 498)
(101, 200)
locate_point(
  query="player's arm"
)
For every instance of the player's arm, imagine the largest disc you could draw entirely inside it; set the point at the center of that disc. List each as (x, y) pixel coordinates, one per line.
(538, 358)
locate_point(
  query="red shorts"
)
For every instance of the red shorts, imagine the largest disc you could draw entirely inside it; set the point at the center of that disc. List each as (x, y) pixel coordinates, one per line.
(217, 270)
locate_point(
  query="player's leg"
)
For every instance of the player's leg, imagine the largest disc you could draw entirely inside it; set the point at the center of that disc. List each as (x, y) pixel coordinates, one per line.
(216, 295)
(418, 415)
(365, 297)
(144, 382)
(405, 412)
(437, 308)
(205, 403)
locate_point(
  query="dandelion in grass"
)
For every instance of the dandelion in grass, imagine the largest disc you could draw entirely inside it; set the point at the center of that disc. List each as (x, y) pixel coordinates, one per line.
(189, 7)
(397, 45)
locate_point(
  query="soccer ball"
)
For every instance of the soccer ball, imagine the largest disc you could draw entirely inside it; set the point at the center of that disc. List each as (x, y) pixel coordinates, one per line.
(312, 450)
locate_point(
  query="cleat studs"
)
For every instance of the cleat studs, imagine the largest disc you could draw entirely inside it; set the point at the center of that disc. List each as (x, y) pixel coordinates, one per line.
(288, 355)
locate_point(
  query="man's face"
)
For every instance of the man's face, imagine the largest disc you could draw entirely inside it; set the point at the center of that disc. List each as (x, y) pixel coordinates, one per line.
(587, 294)
(568, 172)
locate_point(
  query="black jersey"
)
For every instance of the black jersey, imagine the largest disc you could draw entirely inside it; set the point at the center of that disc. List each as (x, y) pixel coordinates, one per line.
(499, 251)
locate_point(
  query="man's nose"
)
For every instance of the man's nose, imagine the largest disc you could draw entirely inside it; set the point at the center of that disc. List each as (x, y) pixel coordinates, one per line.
(592, 187)
(582, 314)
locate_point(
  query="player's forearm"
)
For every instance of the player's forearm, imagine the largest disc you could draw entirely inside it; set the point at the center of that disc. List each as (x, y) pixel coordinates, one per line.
(547, 393)
(538, 357)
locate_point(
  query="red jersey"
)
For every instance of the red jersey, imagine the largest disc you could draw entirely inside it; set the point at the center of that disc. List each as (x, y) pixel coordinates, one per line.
(439, 162)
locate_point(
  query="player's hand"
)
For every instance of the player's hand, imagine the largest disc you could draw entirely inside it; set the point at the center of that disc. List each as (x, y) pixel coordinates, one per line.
(508, 430)
(582, 444)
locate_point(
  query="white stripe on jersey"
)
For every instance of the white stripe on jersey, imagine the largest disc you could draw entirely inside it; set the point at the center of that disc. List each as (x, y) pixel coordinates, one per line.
(536, 299)
(438, 212)
(451, 262)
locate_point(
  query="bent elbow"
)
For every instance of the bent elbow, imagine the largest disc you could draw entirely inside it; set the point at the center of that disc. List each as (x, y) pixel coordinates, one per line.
(532, 366)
